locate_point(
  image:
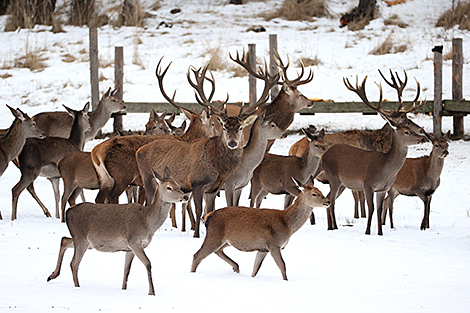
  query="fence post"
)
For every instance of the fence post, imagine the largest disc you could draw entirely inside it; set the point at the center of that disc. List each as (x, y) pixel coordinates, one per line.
(94, 81)
(118, 83)
(251, 78)
(273, 69)
(437, 108)
(457, 75)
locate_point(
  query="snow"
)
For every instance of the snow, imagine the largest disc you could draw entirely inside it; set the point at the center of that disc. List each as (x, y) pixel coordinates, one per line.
(405, 270)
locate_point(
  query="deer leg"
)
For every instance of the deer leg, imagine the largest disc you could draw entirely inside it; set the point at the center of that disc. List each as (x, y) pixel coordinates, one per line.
(210, 244)
(362, 201)
(173, 216)
(370, 203)
(140, 253)
(223, 256)
(69, 189)
(127, 267)
(258, 261)
(380, 204)
(261, 195)
(82, 195)
(65, 243)
(73, 198)
(236, 196)
(189, 209)
(198, 195)
(276, 254)
(77, 258)
(388, 206)
(427, 208)
(356, 203)
(31, 190)
(254, 191)
(55, 186)
(229, 195)
(288, 200)
(210, 201)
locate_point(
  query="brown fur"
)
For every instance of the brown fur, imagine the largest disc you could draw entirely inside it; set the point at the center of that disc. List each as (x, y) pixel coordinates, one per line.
(419, 177)
(262, 230)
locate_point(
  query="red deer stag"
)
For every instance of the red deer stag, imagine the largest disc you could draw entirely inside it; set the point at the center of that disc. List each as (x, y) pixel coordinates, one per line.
(39, 158)
(419, 177)
(274, 173)
(13, 139)
(119, 227)
(111, 156)
(289, 100)
(262, 230)
(367, 171)
(374, 140)
(203, 164)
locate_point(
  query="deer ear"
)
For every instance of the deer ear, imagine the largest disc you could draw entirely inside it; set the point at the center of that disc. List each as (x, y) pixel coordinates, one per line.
(298, 184)
(171, 119)
(69, 110)
(321, 134)
(17, 113)
(157, 177)
(86, 108)
(167, 173)
(389, 121)
(308, 134)
(183, 125)
(249, 120)
(447, 135)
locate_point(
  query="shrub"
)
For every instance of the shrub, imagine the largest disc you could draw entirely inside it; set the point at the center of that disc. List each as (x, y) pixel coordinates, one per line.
(296, 10)
(27, 13)
(457, 16)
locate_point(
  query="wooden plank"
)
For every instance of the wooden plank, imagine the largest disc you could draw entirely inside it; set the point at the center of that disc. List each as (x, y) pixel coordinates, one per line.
(251, 78)
(450, 106)
(273, 69)
(118, 82)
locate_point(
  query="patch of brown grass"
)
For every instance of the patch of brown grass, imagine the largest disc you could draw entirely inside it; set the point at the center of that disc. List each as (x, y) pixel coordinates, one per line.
(32, 60)
(6, 75)
(457, 16)
(27, 13)
(388, 46)
(300, 10)
(68, 58)
(309, 61)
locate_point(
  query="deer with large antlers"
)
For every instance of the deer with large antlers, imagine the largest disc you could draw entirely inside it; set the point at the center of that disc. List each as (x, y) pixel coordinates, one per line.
(289, 100)
(372, 172)
(116, 153)
(204, 164)
(374, 140)
(119, 227)
(419, 177)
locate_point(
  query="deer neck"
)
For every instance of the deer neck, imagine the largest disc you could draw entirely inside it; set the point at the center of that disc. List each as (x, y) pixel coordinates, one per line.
(297, 214)
(395, 157)
(158, 213)
(77, 134)
(309, 164)
(13, 141)
(253, 152)
(434, 165)
(225, 159)
(194, 130)
(286, 112)
(98, 118)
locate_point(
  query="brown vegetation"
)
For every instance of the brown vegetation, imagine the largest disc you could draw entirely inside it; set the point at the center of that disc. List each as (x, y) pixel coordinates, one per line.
(456, 16)
(295, 10)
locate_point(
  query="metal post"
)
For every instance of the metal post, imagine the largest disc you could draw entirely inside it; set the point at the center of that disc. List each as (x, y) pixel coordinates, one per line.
(457, 75)
(251, 78)
(94, 81)
(437, 109)
(118, 82)
(273, 69)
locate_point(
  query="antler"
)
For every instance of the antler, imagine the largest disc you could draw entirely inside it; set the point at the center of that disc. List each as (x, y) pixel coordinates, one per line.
(297, 81)
(269, 80)
(361, 92)
(160, 75)
(400, 86)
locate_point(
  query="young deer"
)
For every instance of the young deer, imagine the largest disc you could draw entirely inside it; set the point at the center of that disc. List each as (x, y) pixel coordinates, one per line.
(119, 227)
(39, 158)
(262, 230)
(157, 125)
(274, 173)
(13, 139)
(59, 124)
(367, 171)
(375, 140)
(419, 177)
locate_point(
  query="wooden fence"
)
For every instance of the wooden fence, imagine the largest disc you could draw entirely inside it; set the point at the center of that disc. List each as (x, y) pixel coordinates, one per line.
(457, 107)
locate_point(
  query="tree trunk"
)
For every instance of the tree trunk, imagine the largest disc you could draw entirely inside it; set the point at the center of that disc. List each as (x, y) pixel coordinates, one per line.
(360, 15)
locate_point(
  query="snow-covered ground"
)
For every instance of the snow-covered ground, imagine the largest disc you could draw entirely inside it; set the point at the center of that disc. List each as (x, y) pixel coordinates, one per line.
(405, 270)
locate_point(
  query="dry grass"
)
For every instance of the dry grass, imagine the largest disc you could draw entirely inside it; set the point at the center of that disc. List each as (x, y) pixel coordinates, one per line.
(68, 58)
(300, 10)
(33, 60)
(6, 75)
(395, 20)
(309, 61)
(132, 14)
(388, 46)
(458, 16)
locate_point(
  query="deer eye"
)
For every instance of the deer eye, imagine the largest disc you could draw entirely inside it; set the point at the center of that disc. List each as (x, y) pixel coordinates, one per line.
(315, 194)
(407, 132)
(169, 188)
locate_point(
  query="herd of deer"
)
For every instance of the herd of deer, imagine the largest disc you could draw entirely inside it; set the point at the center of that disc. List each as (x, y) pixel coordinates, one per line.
(224, 147)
